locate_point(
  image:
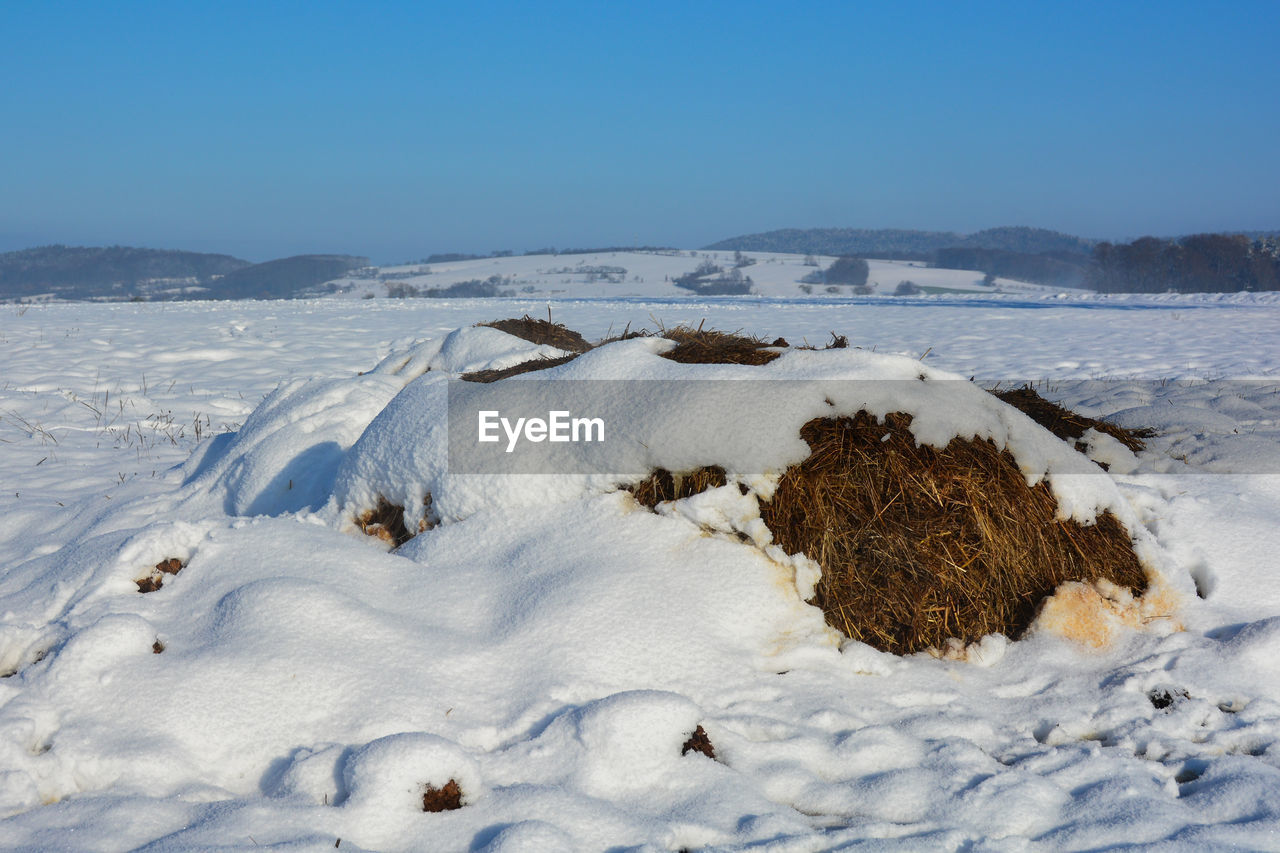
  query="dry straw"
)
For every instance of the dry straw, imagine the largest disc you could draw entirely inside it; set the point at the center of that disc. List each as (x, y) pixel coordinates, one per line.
(699, 346)
(386, 522)
(662, 485)
(494, 374)
(919, 545)
(1066, 424)
(557, 335)
(693, 346)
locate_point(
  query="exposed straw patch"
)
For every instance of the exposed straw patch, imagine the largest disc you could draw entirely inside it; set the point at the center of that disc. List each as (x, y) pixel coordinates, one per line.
(386, 522)
(1066, 424)
(694, 346)
(707, 346)
(557, 335)
(516, 369)
(443, 799)
(662, 485)
(919, 545)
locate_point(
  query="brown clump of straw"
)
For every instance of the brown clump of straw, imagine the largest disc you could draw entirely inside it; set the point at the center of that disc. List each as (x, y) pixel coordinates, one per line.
(1066, 424)
(546, 332)
(708, 346)
(919, 545)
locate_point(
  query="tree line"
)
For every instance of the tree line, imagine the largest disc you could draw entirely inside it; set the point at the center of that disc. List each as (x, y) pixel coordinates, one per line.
(1201, 263)
(1054, 269)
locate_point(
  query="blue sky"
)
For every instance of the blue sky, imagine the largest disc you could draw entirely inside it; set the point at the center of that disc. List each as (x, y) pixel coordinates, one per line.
(400, 129)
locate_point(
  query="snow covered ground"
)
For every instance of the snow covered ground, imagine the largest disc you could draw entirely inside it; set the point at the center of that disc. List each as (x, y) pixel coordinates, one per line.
(296, 684)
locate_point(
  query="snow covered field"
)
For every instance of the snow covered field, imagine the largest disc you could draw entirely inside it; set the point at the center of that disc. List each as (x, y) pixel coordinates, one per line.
(296, 684)
(650, 274)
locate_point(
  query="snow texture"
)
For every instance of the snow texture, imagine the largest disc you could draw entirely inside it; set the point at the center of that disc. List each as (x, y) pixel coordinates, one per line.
(551, 646)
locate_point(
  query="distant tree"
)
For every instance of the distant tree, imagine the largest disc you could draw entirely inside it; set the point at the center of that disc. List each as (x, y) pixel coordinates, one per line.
(847, 271)
(492, 286)
(1058, 270)
(450, 257)
(706, 268)
(810, 261)
(901, 244)
(400, 290)
(708, 279)
(1221, 263)
(906, 288)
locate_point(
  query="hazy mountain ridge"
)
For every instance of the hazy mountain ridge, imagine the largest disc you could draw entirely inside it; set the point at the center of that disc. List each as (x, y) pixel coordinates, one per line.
(904, 243)
(85, 272)
(129, 272)
(284, 278)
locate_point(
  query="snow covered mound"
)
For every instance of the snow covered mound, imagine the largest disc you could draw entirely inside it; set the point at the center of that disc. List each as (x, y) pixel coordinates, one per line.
(231, 663)
(404, 453)
(409, 472)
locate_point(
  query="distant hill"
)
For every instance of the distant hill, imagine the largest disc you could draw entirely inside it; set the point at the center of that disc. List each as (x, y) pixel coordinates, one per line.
(284, 278)
(1028, 241)
(903, 244)
(124, 272)
(112, 272)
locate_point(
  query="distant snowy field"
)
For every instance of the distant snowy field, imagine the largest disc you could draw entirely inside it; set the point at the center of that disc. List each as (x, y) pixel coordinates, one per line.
(650, 274)
(553, 660)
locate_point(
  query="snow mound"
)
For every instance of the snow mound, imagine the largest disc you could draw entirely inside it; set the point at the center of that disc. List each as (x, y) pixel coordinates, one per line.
(753, 424)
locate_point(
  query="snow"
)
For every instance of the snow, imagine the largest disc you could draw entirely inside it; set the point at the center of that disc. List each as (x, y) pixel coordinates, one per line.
(550, 645)
(650, 274)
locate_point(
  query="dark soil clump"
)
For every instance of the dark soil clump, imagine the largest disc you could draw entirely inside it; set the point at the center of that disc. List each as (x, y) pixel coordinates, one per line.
(155, 580)
(443, 799)
(699, 742)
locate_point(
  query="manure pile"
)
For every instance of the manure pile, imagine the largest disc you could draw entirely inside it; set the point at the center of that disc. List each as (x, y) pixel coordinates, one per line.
(917, 545)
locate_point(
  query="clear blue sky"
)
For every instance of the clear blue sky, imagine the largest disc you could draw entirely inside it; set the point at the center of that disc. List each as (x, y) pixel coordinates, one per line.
(400, 129)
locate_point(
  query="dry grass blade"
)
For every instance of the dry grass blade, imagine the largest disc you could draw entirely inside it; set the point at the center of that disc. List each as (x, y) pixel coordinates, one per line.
(1066, 424)
(626, 335)
(918, 545)
(542, 332)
